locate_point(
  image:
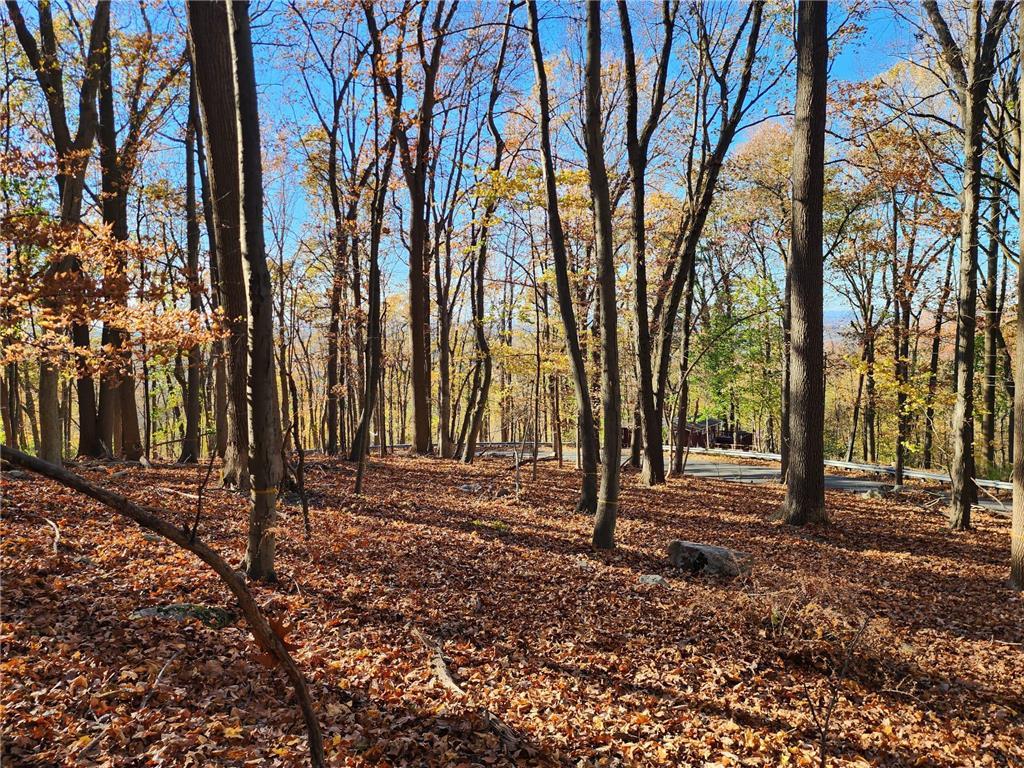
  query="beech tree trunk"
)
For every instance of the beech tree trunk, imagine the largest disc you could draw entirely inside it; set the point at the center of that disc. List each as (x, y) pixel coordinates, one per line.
(587, 443)
(805, 482)
(608, 498)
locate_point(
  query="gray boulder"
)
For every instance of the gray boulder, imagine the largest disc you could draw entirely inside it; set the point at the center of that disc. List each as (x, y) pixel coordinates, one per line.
(707, 558)
(654, 580)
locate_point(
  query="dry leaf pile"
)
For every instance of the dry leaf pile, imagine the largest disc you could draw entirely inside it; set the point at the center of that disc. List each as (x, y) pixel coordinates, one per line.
(562, 655)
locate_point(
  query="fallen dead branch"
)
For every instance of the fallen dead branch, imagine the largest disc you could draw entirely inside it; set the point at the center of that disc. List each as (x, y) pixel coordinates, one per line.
(260, 627)
(175, 491)
(157, 679)
(439, 667)
(49, 522)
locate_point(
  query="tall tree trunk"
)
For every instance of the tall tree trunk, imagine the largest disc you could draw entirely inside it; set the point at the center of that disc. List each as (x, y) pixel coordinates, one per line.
(220, 352)
(361, 440)
(419, 321)
(870, 404)
(682, 434)
(900, 317)
(334, 383)
(482, 375)
(805, 486)
(587, 448)
(209, 35)
(637, 145)
(933, 363)
(971, 70)
(265, 466)
(988, 422)
(787, 342)
(115, 215)
(415, 160)
(190, 444)
(446, 446)
(1017, 523)
(608, 498)
(852, 442)
(73, 154)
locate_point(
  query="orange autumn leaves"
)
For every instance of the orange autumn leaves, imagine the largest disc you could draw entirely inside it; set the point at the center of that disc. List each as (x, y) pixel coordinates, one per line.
(56, 274)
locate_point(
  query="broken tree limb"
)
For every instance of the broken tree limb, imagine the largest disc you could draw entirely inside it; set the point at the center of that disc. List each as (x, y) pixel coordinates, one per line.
(49, 522)
(439, 667)
(260, 627)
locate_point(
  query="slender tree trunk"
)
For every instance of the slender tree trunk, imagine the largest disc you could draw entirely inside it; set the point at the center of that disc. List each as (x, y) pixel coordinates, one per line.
(190, 445)
(988, 422)
(1017, 523)
(587, 447)
(870, 401)
(30, 412)
(899, 315)
(9, 405)
(334, 384)
(219, 352)
(265, 466)
(482, 375)
(805, 486)
(856, 411)
(787, 313)
(446, 446)
(637, 143)
(971, 69)
(608, 498)
(933, 363)
(682, 435)
(361, 441)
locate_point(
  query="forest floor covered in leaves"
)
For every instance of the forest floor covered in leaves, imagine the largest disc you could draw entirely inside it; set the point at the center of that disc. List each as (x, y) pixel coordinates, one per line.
(584, 663)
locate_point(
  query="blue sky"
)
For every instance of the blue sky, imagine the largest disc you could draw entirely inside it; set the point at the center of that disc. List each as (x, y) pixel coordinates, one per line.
(881, 46)
(877, 50)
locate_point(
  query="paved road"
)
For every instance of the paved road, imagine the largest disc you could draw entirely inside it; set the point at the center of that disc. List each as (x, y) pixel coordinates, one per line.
(703, 463)
(707, 466)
